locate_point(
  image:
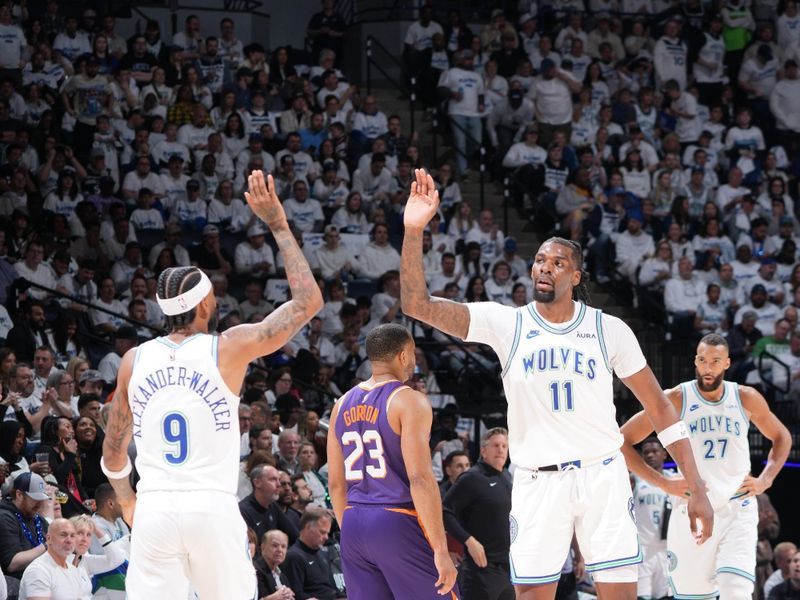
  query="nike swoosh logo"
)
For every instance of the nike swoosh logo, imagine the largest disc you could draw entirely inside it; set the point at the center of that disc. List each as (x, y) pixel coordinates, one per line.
(311, 562)
(258, 523)
(532, 334)
(492, 484)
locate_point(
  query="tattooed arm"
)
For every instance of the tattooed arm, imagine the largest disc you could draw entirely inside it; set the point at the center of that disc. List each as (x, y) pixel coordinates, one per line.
(446, 315)
(119, 431)
(250, 341)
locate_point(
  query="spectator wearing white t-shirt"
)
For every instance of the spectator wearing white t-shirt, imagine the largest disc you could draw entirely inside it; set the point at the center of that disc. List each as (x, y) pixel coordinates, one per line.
(683, 106)
(683, 294)
(378, 256)
(71, 43)
(488, 235)
(373, 183)
(420, 33)
(141, 177)
(254, 256)
(784, 101)
(370, 121)
(303, 212)
(526, 152)
(465, 107)
(669, 56)
(12, 48)
(552, 97)
(758, 77)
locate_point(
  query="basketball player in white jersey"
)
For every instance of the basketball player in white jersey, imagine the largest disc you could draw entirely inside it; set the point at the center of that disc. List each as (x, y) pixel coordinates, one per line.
(717, 415)
(650, 509)
(558, 356)
(178, 397)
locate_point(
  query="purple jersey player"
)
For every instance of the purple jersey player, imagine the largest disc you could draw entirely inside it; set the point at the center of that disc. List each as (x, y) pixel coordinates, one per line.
(381, 483)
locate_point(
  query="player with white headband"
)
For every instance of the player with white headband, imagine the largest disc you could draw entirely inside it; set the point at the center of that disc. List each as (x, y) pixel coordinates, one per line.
(177, 397)
(716, 416)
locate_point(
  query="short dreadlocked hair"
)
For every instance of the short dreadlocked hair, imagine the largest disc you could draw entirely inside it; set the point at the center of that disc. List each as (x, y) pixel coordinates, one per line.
(581, 291)
(174, 282)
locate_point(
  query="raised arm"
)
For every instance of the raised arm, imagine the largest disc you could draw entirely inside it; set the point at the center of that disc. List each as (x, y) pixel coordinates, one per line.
(772, 429)
(416, 418)
(446, 315)
(119, 432)
(250, 341)
(662, 414)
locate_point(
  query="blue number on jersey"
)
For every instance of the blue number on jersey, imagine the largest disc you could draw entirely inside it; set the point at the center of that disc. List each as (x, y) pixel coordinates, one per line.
(176, 432)
(721, 447)
(556, 395)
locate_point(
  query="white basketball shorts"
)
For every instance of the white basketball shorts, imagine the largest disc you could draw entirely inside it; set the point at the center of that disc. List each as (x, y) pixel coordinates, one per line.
(183, 538)
(731, 549)
(653, 572)
(594, 502)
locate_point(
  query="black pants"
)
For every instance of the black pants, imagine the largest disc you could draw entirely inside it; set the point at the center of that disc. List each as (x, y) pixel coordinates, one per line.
(567, 588)
(83, 140)
(493, 582)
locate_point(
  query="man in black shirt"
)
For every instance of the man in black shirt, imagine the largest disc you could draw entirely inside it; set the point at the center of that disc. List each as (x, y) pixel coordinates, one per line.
(326, 30)
(308, 569)
(260, 510)
(476, 510)
(210, 256)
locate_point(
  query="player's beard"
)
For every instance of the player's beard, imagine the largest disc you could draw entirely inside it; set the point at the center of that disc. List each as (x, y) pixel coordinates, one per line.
(714, 385)
(545, 297)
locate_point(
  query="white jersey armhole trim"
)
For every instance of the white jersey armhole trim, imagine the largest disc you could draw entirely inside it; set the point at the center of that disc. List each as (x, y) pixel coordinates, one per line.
(683, 400)
(514, 344)
(391, 397)
(601, 339)
(739, 401)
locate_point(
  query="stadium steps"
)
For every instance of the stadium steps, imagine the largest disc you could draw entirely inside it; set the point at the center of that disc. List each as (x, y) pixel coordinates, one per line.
(519, 227)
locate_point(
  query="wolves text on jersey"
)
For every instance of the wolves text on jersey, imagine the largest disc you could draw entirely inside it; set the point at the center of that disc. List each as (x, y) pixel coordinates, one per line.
(560, 359)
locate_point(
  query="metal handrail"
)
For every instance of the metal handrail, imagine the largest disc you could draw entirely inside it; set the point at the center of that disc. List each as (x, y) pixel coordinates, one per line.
(371, 61)
(457, 342)
(91, 305)
(482, 151)
(768, 380)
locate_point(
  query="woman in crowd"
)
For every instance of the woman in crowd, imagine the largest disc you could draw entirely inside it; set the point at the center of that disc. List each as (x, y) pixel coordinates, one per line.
(308, 466)
(12, 448)
(90, 450)
(58, 440)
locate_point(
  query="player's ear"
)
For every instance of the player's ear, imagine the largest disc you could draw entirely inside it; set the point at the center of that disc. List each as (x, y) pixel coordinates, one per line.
(576, 277)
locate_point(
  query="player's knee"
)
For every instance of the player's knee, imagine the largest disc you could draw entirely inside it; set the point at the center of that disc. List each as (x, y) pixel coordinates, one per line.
(734, 587)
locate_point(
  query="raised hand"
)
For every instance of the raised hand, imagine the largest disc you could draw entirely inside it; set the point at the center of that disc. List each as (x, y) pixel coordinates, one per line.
(423, 201)
(264, 201)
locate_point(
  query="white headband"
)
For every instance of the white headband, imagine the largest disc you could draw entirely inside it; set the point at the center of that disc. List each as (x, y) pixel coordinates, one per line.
(187, 300)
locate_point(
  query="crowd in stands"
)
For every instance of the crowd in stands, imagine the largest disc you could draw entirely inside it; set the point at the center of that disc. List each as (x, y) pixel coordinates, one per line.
(662, 135)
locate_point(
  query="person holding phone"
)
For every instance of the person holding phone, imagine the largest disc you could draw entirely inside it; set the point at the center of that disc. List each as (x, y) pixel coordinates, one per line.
(58, 440)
